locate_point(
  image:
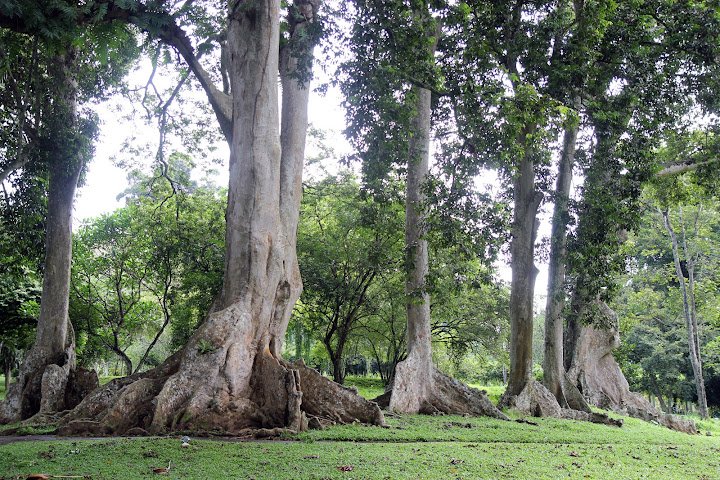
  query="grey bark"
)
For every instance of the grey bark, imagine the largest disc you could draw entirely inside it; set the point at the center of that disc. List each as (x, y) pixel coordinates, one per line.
(553, 367)
(412, 384)
(598, 376)
(522, 250)
(689, 310)
(417, 386)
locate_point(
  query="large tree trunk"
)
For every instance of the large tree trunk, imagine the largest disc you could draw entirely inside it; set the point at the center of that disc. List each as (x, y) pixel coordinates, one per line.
(230, 376)
(594, 371)
(48, 369)
(413, 382)
(553, 368)
(522, 251)
(688, 296)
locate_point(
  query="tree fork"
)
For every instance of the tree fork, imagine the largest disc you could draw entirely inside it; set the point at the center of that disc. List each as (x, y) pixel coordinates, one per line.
(230, 376)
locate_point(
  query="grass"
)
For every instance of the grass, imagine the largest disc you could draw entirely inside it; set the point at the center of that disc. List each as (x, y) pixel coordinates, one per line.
(411, 447)
(368, 387)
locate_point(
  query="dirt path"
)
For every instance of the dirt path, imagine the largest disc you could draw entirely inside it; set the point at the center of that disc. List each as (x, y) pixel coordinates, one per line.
(8, 439)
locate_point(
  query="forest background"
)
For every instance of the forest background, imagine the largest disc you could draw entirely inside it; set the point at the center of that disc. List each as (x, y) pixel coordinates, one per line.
(145, 275)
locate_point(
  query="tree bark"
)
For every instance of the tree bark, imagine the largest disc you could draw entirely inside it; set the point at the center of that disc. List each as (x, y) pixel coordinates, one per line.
(231, 376)
(553, 367)
(522, 251)
(594, 371)
(413, 382)
(50, 364)
(688, 296)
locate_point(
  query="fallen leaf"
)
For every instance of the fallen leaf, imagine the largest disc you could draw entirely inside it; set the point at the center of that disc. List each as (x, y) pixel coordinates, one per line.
(456, 461)
(306, 457)
(574, 454)
(346, 468)
(39, 476)
(672, 447)
(162, 471)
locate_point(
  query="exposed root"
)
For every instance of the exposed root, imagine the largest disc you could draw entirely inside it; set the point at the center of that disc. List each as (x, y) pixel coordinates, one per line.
(537, 401)
(596, 373)
(48, 383)
(281, 397)
(417, 389)
(324, 398)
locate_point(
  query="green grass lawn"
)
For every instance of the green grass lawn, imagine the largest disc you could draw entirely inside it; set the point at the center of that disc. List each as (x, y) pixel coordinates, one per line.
(411, 447)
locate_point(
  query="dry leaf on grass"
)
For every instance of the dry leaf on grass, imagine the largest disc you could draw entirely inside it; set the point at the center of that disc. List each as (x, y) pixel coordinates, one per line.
(162, 471)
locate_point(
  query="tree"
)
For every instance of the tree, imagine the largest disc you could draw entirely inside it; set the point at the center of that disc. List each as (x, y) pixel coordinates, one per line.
(688, 294)
(509, 108)
(50, 137)
(230, 374)
(651, 97)
(112, 284)
(383, 332)
(388, 84)
(677, 199)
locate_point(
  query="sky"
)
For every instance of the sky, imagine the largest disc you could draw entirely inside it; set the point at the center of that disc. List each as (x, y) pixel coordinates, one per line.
(104, 181)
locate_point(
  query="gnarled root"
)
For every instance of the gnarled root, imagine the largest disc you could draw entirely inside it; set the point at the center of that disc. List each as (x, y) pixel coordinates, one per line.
(596, 373)
(419, 389)
(48, 383)
(326, 399)
(536, 400)
(219, 382)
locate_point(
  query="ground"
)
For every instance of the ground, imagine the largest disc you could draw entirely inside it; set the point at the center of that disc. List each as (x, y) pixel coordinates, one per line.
(412, 447)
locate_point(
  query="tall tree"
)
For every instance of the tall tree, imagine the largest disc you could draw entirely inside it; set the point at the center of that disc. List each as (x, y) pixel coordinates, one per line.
(230, 374)
(634, 97)
(413, 387)
(50, 136)
(508, 119)
(389, 84)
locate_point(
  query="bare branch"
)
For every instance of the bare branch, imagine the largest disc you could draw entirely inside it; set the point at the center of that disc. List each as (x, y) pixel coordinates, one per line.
(686, 166)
